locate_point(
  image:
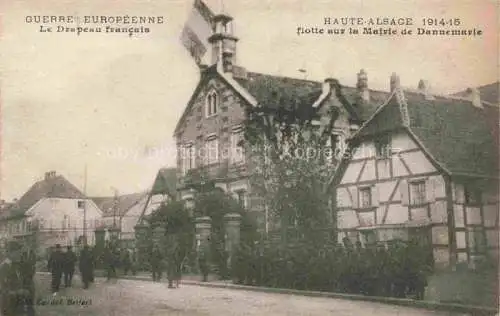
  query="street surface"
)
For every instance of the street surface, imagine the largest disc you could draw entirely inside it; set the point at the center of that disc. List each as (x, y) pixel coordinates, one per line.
(133, 297)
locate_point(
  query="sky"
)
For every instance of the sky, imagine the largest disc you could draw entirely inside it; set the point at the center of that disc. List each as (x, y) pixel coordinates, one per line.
(108, 103)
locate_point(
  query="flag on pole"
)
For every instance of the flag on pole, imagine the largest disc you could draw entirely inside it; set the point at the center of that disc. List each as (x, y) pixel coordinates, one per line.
(197, 30)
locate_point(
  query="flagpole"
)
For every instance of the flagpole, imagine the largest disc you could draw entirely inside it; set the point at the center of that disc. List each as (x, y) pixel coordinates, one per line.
(85, 207)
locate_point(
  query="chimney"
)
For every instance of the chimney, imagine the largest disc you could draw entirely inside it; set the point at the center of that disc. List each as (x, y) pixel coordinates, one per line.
(362, 86)
(474, 96)
(394, 82)
(424, 89)
(50, 175)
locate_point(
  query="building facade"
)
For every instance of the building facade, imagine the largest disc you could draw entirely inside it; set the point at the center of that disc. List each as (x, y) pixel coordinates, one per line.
(56, 207)
(209, 134)
(424, 167)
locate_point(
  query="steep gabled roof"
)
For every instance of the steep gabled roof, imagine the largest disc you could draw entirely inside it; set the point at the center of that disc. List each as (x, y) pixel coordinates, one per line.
(458, 136)
(123, 203)
(272, 91)
(56, 186)
(165, 182)
(488, 92)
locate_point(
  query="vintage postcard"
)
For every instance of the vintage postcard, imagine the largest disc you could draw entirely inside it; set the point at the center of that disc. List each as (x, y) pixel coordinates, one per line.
(216, 157)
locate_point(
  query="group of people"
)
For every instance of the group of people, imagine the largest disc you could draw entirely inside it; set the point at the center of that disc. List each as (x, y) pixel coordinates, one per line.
(62, 266)
(17, 287)
(172, 262)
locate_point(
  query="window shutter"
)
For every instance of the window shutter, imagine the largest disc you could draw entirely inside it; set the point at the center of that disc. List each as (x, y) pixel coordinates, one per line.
(355, 197)
(404, 190)
(430, 190)
(375, 197)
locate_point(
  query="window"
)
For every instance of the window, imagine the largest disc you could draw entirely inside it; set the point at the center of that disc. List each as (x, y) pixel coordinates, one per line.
(188, 158)
(81, 204)
(365, 197)
(211, 104)
(383, 147)
(417, 193)
(237, 150)
(241, 197)
(472, 196)
(476, 240)
(212, 151)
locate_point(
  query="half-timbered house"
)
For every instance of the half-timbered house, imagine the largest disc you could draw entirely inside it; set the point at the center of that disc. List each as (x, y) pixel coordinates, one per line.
(424, 167)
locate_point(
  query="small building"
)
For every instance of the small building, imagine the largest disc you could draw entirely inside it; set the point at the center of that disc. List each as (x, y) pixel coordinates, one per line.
(424, 167)
(57, 207)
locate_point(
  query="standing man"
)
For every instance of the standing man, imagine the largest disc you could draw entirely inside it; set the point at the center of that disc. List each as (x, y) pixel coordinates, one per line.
(156, 263)
(28, 269)
(11, 283)
(86, 266)
(69, 266)
(203, 264)
(56, 266)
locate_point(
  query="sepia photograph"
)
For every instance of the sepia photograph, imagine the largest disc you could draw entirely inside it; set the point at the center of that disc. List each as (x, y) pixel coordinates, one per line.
(216, 157)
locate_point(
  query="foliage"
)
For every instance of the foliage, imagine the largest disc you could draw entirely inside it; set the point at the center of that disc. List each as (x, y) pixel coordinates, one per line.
(179, 230)
(292, 161)
(215, 204)
(332, 267)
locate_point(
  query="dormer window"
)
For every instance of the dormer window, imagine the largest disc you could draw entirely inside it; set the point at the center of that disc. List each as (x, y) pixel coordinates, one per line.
(383, 147)
(212, 103)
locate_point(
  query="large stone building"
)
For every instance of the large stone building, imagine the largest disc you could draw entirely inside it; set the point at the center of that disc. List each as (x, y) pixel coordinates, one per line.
(209, 132)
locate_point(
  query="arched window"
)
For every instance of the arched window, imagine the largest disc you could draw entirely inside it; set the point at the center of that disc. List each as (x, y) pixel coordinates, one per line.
(212, 103)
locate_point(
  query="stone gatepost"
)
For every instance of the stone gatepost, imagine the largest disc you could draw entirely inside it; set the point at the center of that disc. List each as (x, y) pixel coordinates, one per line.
(159, 237)
(203, 226)
(232, 223)
(142, 243)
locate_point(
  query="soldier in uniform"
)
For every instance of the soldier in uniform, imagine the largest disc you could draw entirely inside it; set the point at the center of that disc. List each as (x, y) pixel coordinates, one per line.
(28, 270)
(86, 266)
(156, 263)
(70, 260)
(56, 266)
(203, 264)
(16, 297)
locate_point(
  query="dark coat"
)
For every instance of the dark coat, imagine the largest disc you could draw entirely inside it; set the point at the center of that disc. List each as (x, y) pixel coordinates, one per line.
(70, 260)
(56, 262)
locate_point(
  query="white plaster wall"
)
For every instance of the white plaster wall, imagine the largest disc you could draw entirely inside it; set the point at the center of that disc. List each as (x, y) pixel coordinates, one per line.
(440, 235)
(396, 214)
(347, 219)
(398, 168)
(417, 162)
(368, 173)
(366, 219)
(401, 141)
(384, 168)
(352, 172)
(385, 190)
(419, 214)
(52, 211)
(473, 216)
(439, 186)
(461, 240)
(439, 212)
(491, 213)
(459, 215)
(343, 197)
